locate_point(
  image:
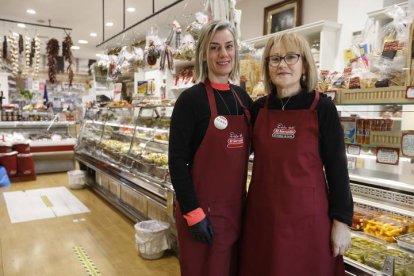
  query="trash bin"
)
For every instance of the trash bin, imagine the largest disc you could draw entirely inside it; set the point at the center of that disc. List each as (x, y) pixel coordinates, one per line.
(76, 179)
(152, 238)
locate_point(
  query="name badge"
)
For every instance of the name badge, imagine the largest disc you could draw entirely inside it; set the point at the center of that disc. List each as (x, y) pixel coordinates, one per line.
(220, 122)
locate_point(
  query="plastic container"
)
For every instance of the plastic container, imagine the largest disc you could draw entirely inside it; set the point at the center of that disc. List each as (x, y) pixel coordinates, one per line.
(21, 147)
(9, 161)
(25, 165)
(5, 147)
(152, 238)
(76, 179)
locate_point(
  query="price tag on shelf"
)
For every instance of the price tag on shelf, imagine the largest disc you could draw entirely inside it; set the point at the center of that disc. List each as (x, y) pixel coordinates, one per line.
(352, 162)
(409, 92)
(407, 143)
(353, 149)
(143, 145)
(388, 156)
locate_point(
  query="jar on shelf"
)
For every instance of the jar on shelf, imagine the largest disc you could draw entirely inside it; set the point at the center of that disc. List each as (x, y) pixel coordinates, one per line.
(315, 50)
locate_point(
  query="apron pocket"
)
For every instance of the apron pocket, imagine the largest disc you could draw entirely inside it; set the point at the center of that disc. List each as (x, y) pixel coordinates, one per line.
(226, 220)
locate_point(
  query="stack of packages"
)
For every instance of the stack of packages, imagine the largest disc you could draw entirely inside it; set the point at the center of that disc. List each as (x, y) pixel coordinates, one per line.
(16, 158)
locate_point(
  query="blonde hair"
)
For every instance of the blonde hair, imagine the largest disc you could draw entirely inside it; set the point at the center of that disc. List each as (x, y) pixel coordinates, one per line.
(291, 40)
(202, 48)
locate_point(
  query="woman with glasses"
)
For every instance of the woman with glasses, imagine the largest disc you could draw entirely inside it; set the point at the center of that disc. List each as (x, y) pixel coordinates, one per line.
(299, 203)
(208, 152)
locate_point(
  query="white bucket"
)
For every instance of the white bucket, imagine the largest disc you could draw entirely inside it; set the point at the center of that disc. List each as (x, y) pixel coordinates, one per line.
(152, 238)
(76, 179)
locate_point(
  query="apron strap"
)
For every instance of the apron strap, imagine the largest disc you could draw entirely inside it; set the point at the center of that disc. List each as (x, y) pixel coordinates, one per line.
(211, 99)
(315, 101)
(245, 109)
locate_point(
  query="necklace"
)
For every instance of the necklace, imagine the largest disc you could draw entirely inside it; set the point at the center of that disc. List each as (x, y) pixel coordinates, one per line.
(283, 105)
(225, 104)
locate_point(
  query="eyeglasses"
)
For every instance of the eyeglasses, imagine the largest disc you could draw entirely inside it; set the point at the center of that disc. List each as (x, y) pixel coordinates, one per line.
(290, 59)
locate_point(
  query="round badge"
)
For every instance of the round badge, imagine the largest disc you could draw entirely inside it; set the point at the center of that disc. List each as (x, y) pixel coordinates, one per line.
(220, 122)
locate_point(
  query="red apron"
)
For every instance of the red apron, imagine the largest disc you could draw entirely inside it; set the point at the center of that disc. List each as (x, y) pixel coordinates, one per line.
(287, 227)
(219, 177)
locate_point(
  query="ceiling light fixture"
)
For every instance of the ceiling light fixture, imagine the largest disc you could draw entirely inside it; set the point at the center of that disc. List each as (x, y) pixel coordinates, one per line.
(130, 9)
(74, 47)
(21, 25)
(109, 24)
(31, 11)
(82, 41)
(93, 34)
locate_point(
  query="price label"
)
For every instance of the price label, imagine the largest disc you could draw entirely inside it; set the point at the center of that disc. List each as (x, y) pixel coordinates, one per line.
(142, 145)
(354, 149)
(407, 143)
(388, 156)
(410, 92)
(352, 162)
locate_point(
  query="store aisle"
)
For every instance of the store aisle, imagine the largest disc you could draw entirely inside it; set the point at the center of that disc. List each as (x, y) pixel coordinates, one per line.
(47, 246)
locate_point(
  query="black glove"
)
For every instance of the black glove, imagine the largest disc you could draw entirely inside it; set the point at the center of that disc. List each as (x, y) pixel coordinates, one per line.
(202, 231)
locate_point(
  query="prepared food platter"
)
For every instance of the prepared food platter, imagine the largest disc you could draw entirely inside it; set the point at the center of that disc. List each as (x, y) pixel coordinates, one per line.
(402, 260)
(387, 227)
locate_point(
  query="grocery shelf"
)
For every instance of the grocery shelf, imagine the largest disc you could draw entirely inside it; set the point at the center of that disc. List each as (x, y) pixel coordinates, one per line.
(384, 205)
(383, 179)
(35, 123)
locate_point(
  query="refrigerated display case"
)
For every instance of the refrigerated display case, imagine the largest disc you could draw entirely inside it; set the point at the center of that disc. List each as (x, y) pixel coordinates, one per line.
(378, 131)
(124, 151)
(51, 141)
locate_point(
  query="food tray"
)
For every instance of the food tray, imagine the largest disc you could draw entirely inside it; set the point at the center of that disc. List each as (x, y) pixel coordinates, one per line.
(393, 94)
(406, 241)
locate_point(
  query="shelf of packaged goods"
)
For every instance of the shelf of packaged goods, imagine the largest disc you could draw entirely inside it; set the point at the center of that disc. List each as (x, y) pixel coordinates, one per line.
(35, 123)
(399, 182)
(380, 95)
(384, 205)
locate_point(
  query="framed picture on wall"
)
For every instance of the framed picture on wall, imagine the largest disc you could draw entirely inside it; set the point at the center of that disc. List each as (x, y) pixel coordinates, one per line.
(282, 16)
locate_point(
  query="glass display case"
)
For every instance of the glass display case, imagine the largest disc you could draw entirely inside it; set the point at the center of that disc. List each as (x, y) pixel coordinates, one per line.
(124, 150)
(51, 141)
(378, 133)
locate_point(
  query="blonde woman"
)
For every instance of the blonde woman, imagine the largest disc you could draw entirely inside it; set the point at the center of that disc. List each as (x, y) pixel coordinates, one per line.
(208, 152)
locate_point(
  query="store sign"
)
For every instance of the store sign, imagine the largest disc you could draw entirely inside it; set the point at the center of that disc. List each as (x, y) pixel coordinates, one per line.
(388, 156)
(353, 149)
(409, 92)
(407, 143)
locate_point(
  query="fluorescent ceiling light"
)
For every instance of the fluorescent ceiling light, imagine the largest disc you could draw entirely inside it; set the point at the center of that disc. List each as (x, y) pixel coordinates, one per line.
(21, 25)
(109, 24)
(98, 55)
(82, 41)
(31, 11)
(74, 47)
(93, 34)
(130, 9)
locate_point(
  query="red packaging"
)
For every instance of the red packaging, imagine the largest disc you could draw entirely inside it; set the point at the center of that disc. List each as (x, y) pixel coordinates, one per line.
(5, 147)
(21, 147)
(9, 161)
(25, 165)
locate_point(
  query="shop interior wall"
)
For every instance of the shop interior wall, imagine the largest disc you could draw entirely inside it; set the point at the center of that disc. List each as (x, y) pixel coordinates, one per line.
(352, 14)
(253, 13)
